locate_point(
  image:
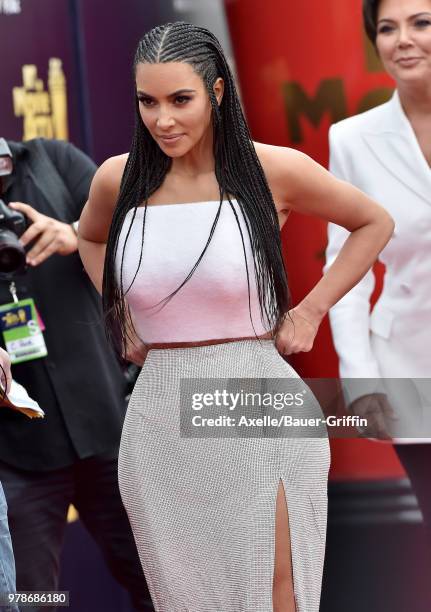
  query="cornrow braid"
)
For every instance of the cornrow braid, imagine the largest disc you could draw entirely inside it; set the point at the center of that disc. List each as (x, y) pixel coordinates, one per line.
(238, 172)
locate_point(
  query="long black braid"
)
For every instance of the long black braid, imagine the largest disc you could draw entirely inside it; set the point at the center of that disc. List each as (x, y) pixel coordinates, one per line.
(237, 168)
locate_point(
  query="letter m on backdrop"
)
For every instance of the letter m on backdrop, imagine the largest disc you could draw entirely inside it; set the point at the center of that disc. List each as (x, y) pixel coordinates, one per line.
(329, 98)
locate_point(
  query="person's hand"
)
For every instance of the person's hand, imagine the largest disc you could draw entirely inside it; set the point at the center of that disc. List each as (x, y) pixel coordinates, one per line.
(52, 236)
(376, 408)
(297, 332)
(5, 373)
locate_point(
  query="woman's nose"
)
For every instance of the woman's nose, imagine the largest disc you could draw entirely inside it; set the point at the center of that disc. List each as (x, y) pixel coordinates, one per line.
(404, 37)
(165, 119)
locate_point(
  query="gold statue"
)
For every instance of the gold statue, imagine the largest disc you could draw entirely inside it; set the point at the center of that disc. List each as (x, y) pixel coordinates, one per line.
(44, 112)
(57, 91)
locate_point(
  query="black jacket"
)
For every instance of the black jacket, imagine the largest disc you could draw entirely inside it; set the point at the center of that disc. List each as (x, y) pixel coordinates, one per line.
(80, 384)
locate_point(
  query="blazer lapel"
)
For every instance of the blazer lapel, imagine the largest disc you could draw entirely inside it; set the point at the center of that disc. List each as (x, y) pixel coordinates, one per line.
(394, 144)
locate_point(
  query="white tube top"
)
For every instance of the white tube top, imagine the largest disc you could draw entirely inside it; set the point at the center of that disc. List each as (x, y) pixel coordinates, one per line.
(213, 304)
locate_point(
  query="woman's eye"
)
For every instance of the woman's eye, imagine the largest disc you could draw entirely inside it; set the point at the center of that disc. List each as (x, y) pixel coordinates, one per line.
(422, 23)
(145, 101)
(385, 29)
(182, 99)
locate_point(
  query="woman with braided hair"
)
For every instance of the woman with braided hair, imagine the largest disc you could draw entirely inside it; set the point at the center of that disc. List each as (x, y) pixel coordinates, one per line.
(186, 229)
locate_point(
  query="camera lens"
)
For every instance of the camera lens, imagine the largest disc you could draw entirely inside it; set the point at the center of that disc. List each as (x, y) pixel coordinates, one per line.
(10, 259)
(12, 253)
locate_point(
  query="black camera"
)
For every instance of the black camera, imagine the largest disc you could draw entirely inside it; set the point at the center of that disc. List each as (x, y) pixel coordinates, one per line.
(12, 225)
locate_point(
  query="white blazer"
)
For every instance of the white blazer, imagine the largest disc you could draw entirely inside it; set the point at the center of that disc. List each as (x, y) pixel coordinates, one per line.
(378, 152)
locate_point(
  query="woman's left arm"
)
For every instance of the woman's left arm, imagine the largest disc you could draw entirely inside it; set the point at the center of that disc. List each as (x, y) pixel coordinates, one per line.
(300, 184)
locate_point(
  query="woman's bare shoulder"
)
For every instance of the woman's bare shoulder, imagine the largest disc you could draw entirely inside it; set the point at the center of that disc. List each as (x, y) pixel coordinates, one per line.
(273, 157)
(109, 173)
(105, 188)
(282, 166)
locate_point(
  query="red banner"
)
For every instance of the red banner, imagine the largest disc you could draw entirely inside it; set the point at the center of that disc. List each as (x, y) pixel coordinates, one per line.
(301, 67)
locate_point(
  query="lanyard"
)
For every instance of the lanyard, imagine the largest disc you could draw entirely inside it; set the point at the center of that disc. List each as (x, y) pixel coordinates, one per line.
(12, 289)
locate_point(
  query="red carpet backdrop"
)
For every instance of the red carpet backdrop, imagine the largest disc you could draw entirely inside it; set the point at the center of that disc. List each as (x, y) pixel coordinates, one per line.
(303, 66)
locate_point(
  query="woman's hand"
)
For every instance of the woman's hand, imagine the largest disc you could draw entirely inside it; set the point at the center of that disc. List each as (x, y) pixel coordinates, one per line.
(298, 331)
(376, 408)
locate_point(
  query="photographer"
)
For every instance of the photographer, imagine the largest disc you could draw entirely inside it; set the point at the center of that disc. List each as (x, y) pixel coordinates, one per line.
(66, 366)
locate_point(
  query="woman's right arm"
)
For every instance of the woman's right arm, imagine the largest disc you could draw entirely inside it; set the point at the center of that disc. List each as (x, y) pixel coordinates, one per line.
(96, 217)
(93, 231)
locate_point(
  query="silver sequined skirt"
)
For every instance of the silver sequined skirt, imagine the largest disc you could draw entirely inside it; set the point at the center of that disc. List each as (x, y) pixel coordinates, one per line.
(202, 510)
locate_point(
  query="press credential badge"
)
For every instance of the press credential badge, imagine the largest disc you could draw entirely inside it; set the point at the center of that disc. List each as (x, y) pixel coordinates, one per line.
(22, 331)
